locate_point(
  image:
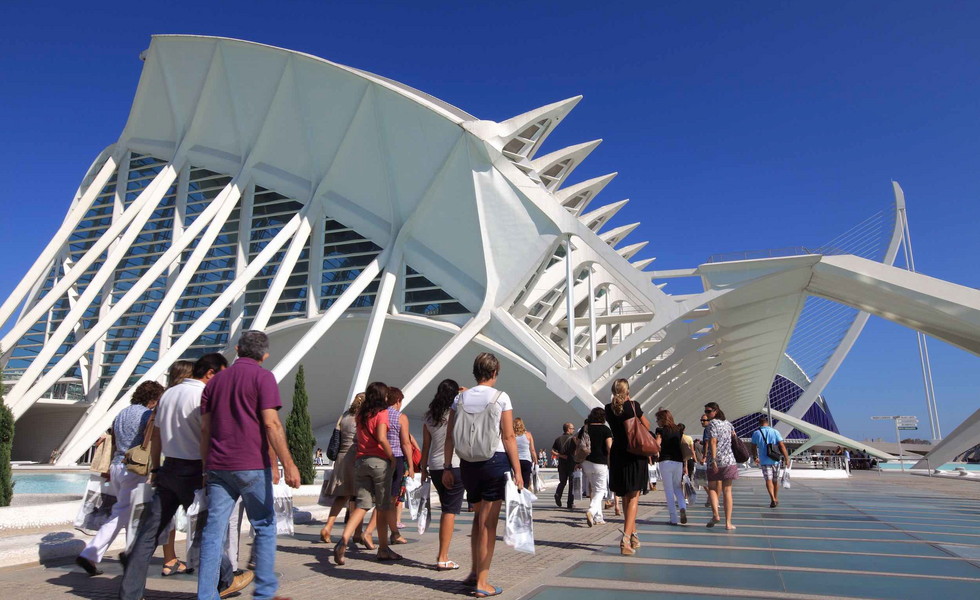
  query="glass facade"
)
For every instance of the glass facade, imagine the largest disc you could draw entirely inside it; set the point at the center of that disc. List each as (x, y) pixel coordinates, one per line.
(258, 217)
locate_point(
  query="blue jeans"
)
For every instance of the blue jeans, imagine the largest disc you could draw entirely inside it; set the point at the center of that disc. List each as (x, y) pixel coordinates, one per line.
(224, 489)
(176, 482)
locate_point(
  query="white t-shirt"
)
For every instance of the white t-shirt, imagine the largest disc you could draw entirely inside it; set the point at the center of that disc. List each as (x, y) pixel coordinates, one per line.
(179, 420)
(475, 400)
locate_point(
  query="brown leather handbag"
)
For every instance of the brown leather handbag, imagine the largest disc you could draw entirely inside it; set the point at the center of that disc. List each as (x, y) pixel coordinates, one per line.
(138, 458)
(639, 440)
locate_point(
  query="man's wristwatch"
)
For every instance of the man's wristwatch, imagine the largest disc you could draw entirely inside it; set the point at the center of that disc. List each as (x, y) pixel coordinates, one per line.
(447, 466)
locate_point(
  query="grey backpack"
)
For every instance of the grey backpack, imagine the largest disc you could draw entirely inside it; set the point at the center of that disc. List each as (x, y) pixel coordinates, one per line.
(477, 435)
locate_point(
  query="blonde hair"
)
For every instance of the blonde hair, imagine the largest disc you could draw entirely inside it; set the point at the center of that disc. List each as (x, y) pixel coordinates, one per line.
(519, 428)
(355, 404)
(620, 394)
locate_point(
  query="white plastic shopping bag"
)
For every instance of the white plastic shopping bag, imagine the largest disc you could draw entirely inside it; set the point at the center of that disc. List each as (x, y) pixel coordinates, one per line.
(536, 484)
(654, 472)
(282, 505)
(701, 477)
(413, 495)
(197, 514)
(141, 497)
(282, 500)
(784, 479)
(96, 506)
(425, 506)
(577, 483)
(690, 492)
(519, 531)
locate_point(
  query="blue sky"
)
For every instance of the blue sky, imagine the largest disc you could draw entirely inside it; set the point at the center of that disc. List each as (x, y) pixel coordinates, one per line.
(733, 125)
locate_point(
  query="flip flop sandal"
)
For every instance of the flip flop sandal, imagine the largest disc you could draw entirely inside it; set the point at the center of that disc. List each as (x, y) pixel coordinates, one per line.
(713, 522)
(178, 568)
(389, 555)
(485, 594)
(448, 565)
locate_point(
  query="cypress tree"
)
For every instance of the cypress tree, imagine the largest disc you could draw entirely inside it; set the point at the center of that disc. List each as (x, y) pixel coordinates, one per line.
(6, 444)
(299, 431)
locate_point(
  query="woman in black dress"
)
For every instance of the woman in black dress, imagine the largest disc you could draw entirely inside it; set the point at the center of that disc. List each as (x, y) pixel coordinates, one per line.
(627, 472)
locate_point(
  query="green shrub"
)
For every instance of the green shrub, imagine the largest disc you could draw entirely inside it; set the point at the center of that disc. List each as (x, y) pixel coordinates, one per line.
(6, 444)
(299, 431)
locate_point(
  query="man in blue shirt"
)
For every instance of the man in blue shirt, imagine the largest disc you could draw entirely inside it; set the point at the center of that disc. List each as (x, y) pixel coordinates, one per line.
(762, 439)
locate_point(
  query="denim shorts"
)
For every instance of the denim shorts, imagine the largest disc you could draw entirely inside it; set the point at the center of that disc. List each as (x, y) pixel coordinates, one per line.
(451, 499)
(485, 480)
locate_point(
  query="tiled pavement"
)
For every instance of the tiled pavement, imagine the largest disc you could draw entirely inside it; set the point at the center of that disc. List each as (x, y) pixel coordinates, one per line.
(887, 537)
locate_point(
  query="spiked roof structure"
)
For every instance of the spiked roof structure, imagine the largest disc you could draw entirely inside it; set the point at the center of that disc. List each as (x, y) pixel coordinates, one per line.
(376, 232)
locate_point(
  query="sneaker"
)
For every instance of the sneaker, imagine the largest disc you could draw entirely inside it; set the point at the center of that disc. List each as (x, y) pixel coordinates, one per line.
(239, 583)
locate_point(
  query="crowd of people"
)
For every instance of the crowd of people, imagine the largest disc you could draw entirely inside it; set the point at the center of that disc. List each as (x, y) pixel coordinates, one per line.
(218, 427)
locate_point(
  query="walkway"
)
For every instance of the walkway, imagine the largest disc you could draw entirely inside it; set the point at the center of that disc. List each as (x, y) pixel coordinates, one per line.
(884, 537)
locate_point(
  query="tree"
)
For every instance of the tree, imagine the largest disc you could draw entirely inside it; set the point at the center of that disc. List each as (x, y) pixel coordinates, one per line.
(6, 444)
(299, 431)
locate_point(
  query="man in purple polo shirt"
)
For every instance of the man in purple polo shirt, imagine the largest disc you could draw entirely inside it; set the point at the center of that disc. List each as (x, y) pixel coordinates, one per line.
(239, 425)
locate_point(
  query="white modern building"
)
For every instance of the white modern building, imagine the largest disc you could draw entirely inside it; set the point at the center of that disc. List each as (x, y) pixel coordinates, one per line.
(376, 232)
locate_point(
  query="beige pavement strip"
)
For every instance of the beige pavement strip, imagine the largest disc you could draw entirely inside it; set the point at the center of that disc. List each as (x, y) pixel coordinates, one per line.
(809, 551)
(789, 537)
(695, 563)
(633, 586)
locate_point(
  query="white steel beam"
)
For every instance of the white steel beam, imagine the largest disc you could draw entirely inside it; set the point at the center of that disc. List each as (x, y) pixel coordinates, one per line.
(372, 334)
(325, 322)
(285, 270)
(226, 202)
(445, 354)
(315, 278)
(94, 424)
(171, 255)
(44, 260)
(129, 224)
(592, 341)
(24, 393)
(570, 300)
(236, 320)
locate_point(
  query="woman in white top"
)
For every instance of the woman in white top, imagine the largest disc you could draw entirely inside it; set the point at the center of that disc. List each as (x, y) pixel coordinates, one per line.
(525, 449)
(435, 424)
(484, 480)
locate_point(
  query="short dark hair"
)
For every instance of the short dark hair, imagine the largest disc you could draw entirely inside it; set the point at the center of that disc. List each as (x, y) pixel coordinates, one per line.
(394, 395)
(146, 392)
(209, 362)
(763, 420)
(485, 367)
(253, 344)
(596, 415)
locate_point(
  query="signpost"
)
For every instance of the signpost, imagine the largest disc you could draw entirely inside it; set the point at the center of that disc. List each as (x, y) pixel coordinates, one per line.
(902, 423)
